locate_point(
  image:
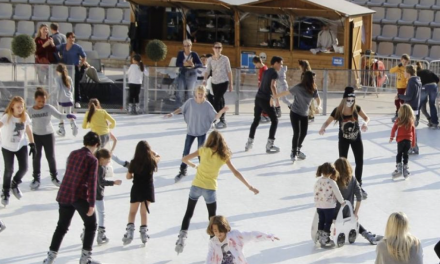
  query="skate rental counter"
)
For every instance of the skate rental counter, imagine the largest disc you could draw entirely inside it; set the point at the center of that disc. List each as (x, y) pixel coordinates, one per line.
(286, 28)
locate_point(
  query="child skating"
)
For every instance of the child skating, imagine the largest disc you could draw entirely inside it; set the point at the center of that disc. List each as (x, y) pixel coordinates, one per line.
(326, 195)
(406, 138)
(135, 74)
(63, 84)
(141, 169)
(226, 245)
(97, 119)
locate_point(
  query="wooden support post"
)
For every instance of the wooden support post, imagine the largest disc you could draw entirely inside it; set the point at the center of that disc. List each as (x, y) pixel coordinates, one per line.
(292, 22)
(237, 37)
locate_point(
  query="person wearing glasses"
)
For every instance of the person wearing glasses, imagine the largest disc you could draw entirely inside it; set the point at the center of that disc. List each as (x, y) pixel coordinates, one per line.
(221, 79)
(347, 115)
(188, 61)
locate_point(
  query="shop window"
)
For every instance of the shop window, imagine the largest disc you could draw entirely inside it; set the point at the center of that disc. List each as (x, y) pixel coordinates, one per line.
(210, 26)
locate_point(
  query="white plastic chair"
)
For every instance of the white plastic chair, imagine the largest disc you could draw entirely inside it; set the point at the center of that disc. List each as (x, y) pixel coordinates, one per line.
(425, 17)
(103, 49)
(422, 35)
(25, 27)
(119, 33)
(388, 33)
(409, 16)
(41, 13)
(126, 20)
(96, 15)
(83, 31)
(405, 34)
(86, 45)
(65, 27)
(420, 51)
(409, 3)
(120, 51)
(108, 3)
(100, 32)
(391, 3)
(77, 14)
(91, 54)
(392, 15)
(73, 2)
(436, 22)
(114, 16)
(90, 2)
(6, 53)
(59, 13)
(5, 43)
(434, 53)
(379, 15)
(7, 28)
(385, 48)
(123, 4)
(376, 30)
(426, 4)
(6, 11)
(435, 40)
(402, 48)
(22, 12)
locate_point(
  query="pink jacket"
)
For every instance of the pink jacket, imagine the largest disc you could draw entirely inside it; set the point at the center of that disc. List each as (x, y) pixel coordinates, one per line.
(236, 241)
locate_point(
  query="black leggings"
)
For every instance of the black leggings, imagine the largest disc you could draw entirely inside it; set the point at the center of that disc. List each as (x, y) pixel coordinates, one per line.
(8, 157)
(260, 106)
(134, 90)
(219, 91)
(212, 208)
(300, 125)
(437, 249)
(403, 148)
(358, 151)
(48, 143)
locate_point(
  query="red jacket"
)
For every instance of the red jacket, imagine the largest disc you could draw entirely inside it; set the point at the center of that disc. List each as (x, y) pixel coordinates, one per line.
(404, 133)
(260, 74)
(47, 52)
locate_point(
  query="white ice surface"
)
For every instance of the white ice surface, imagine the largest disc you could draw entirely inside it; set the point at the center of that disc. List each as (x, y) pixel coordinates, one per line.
(283, 207)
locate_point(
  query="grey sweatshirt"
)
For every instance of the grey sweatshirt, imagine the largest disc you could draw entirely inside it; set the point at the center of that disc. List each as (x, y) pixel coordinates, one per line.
(41, 119)
(383, 257)
(353, 189)
(64, 93)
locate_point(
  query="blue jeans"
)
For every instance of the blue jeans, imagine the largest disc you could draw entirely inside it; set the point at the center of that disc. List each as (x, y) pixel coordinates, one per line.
(186, 82)
(429, 94)
(188, 143)
(209, 195)
(325, 218)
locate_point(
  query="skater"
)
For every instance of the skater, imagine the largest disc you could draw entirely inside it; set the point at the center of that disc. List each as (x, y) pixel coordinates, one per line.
(135, 74)
(226, 245)
(268, 89)
(213, 155)
(412, 97)
(399, 246)
(258, 63)
(349, 188)
(2, 226)
(199, 116)
(44, 137)
(282, 86)
(142, 167)
(77, 193)
(97, 119)
(103, 156)
(221, 78)
(188, 61)
(402, 81)
(429, 94)
(63, 84)
(347, 115)
(303, 95)
(14, 124)
(406, 138)
(326, 195)
(202, 71)
(304, 66)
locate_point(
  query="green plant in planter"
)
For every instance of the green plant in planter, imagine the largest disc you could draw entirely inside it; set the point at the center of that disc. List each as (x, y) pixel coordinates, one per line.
(23, 46)
(156, 50)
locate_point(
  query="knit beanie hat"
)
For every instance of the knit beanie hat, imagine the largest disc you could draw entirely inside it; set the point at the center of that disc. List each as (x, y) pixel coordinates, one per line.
(349, 92)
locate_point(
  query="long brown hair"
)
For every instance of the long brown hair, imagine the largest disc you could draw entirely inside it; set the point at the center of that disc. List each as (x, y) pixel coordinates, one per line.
(93, 105)
(308, 82)
(305, 65)
(10, 110)
(329, 170)
(39, 31)
(405, 116)
(345, 172)
(143, 158)
(137, 58)
(217, 144)
(61, 68)
(340, 110)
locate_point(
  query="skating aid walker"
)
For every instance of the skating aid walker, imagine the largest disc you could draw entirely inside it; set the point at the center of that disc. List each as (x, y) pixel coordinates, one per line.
(342, 229)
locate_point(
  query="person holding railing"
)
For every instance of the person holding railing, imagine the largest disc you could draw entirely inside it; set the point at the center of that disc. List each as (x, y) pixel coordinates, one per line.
(402, 81)
(188, 61)
(429, 90)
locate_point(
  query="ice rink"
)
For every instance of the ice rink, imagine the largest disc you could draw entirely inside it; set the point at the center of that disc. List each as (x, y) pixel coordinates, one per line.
(284, 206)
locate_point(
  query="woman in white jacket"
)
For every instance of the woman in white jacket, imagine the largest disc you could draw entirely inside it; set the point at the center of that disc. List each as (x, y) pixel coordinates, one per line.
(226, 245)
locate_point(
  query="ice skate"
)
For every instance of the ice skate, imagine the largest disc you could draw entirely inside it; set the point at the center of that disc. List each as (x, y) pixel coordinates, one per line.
(35, 184)
(129, 108)
(293, 157)
(406, 172)
(301, 155)
(55, 181)
(221, 124)
(86, 258)
(325, 240)
(144, 235)
(2, 226)
(16, 191)
(182, 173)
(101, 238)
(270, 148)
(180, 243)
(5, 197)
(318, 236)
(133, 109)
(51, 255)
(61, 131)
(128, 237)
(414, 151)
(398, 171)
(370, 237)
(249, 144)
(74, 128)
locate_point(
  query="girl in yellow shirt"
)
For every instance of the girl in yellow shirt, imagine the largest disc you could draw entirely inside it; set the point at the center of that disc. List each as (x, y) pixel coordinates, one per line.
(213, 155)
(97, 119)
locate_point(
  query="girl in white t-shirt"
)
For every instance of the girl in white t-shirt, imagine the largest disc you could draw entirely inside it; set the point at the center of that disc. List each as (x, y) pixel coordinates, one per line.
(326, 194)
(135, 74)
(14, 124)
